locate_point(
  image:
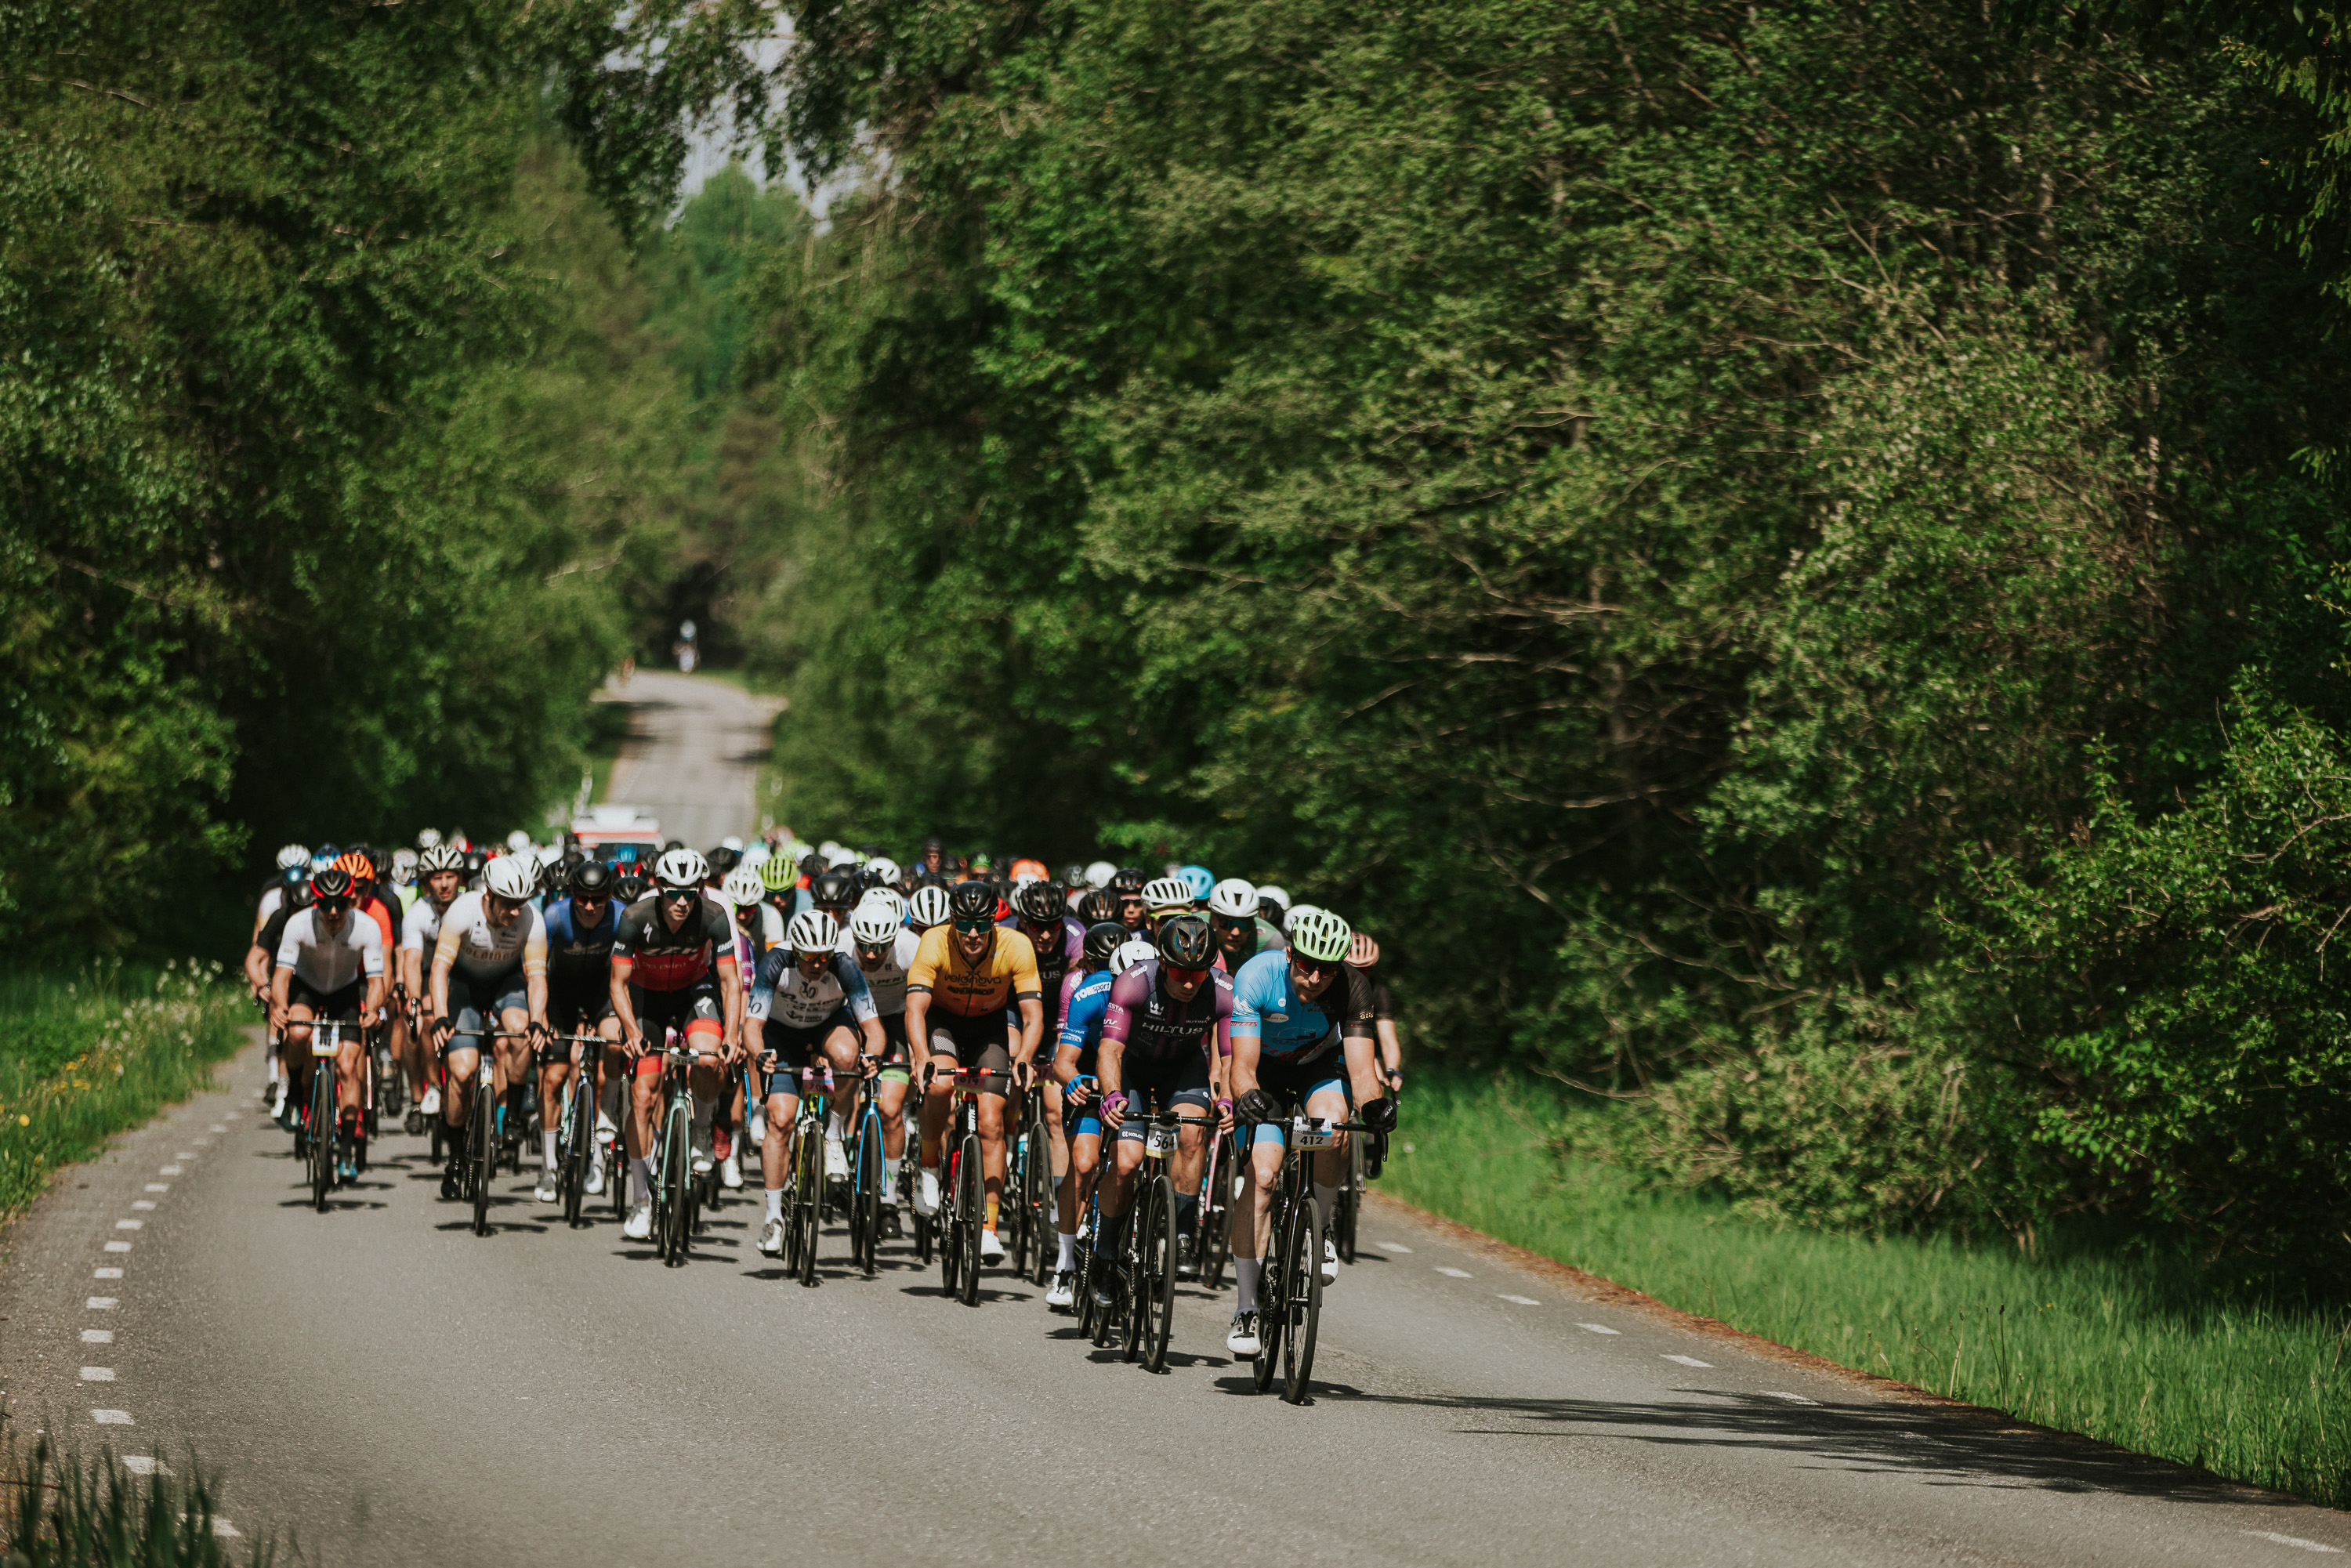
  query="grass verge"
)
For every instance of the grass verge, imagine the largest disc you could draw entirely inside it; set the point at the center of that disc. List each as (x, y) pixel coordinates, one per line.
(92, 1513)
(84, 1056)
(2139, 1350)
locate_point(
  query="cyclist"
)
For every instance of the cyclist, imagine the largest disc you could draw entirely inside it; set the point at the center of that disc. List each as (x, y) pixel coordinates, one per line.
(1272, 906)
(930, 907)
(1085, 995)
(330, 965)
(884, 946)
(1043, 916)
(964, 975)
(1301, 1034)
(672, 967)
(489, 973)
(441, 878)
(374, 895)
(1363, 954)
(1097, 905)
(809, 998)
(291, 859)
(260, 961)
(1164, 898)
(1200, 880)
(835, 892)
(1127, 884)
(1160, 1020)
(1241, 933)
(580, 931)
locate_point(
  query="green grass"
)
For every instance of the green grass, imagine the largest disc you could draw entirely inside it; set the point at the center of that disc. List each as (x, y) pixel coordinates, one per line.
(2143, 1350)
(90, 1513)
(84, 1056)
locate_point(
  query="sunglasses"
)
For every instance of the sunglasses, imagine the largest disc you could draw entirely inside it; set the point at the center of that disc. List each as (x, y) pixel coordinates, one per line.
(589, 901)
(974, 923)
(332, 906)
(874, 949)
(683, 895)
(1184, 977)
(1307, 968)
(1237, 927)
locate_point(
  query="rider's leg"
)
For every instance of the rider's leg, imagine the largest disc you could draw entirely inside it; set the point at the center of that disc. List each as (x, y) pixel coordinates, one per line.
(514, 1059)
(776, 1150)
(637, 1129)
(297, 1055)
(552, 1077)
(991, 1152)
(1328, 1103)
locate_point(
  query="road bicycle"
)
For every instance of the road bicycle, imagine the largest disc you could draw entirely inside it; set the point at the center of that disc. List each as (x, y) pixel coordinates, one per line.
(1030, 1185)
(678, 1188)
(577, 1138)
(322, 1135)
(1148, 1260)
(480, 1152)
(1347, 1204)
(1219, 1183)
(1290, 1296)
(863, 1194)
(963, 1211)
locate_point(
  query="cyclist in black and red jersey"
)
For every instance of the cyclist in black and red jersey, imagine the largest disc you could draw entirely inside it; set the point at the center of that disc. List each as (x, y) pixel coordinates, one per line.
(673, 967)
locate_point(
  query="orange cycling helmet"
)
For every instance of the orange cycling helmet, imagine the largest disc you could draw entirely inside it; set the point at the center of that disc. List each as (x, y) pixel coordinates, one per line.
(1363, 952)
(1025, 866)
(357, 866)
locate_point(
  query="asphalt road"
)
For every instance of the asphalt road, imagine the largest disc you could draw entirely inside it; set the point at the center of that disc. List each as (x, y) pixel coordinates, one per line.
(391, 1389)
(692, 754)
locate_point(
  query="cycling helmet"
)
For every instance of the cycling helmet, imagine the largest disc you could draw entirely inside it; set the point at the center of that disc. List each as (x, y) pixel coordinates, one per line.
(592, 879)
(874, 923)
(928, 907)
(404, 865)
(1099, 872)
(331, 882)
(428, 838)
(1234, 899)
(1184, 943)
(1127, 879)
(439, 858)
(518, 842)
(681, 869)
(777, 873)
(887, 898)
(1290, 920)
(1134, 951)
(843, 860)
(1040, 902)
(1167, 893)
(629, 888)
(882, 872)
(475, 861)
(1099, 906)
(1320, 935)
(1103, 939)
(1363, 952)
(1200, 879)
(1272, 902)
(1073, 876)
(293, 855)
(731, 842)
(298, 897)
(358, 865)
(829, 848)
(744, 886)
(833, 890)
(814, 931)
(1027, 866)
(723, 861)
(512, 876)
(970, 900)
(294, 876)
(323, 856)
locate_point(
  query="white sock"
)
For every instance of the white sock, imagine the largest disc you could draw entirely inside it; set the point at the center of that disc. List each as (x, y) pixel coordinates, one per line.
(775, 1203)
(547, 1140)
(889, 1178)
(1326, 1199)
(833, 1127)
(640, 1180)
(1069, 1253)
(1245, 1274)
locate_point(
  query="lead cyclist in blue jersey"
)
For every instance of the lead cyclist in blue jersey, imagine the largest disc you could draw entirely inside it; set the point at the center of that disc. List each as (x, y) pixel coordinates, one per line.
(1304, 1034)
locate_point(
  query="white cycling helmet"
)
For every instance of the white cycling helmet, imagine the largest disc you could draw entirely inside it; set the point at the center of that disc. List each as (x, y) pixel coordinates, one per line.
(293, 855)
(842, 860)
(1099, 872)
(814, 931)
(426, 838)
(731, 842)
(439, 858)
(928, 907)
(1291, 915)
(829, 848)
(549, 853)
(1234, 899)
(404, 865)
(1280, 898)
(744, 886)
(1167, 893)
(756, 856)
(681, 869)
(888, 898)
(1318, 934)
(518, 842)
(512, 876)
(875, 920)
(883, 869)
(1132, 951)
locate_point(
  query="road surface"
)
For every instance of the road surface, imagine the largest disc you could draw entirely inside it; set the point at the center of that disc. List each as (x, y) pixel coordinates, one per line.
(692, 755)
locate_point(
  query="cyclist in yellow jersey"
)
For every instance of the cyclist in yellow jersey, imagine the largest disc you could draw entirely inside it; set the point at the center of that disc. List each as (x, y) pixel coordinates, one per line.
(965, 975)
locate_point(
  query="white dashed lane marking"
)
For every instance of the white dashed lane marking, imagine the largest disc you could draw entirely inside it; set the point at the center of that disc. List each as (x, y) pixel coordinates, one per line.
(158, 1187)
(117, 1247)
(98, 1374)
(1791, 1398)
(140, 1224)
(143, 1203)
(1454, 1273)
(111, 1417)
(169, 1170)
(107, 1274)
(145, 1465)
(1394, 1247)
(103, 1303)
(97, 1336)
(1598, 1328)
(2293, 1541)
(1523, 1300)
(1686, 1361)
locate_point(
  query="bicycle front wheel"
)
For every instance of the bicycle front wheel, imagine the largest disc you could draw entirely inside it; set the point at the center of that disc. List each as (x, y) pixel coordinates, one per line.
(1155, 1300)
(1272, 1288)
(1302, 1298)
(1350, 1201)
(581, 1126)
(869, 1197)
(675, 1176)
(1037, 1204)
(322, 1131)
(808, 1212)
(972, 1219)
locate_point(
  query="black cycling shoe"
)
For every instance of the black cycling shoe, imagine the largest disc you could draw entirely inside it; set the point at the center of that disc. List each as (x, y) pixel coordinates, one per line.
(890, 1228)
(1187, 1261)
(449, 1181)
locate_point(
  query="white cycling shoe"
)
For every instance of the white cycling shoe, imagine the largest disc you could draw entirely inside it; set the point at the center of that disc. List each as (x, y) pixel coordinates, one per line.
(604, 1128)
(1242, 1342)
(991, 1251)
(430, 1106)
(546, 1191)
(595, 1180)
(757, 1131)
(640, 1226)
(927, 1192)
(836, 1161)
(730, 1173)
(703, 1162)
(1330, 1262)
(772, 1239)
(1063, 1293)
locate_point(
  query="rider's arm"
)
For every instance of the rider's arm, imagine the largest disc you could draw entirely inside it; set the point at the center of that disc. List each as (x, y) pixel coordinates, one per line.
(256, 967)
(1032, 1029)
(918, 1029)
(731, 991)
(622, 969)
(534, 966)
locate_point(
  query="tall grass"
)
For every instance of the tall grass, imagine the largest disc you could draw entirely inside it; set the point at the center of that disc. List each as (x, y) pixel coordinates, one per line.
(91, 1513)
(84, 1056)
(2142, 1349)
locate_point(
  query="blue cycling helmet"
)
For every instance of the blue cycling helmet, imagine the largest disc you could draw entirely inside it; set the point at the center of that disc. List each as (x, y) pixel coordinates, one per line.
(1200, 880)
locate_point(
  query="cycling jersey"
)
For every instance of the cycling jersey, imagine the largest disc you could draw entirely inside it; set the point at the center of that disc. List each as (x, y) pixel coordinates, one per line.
(888, 981)
(797, 999)
(421, 927)
(1287, 1027)
(1155, 1028)
(477, 949)
(1081, 1020)
(1007, 973)
(579, 957)
(667, 961)
(326, 960)
(273, 931)
(387, 924)
(1056, 957)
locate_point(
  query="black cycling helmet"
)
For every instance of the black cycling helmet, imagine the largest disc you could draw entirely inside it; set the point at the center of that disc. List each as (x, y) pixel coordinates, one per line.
(629, 888)
(1127, 879)
(332, 883)
(379, 861)
(298, 897)
(723, 859)
(834, 890)
(1040, 903)
(592, 879)
(1104, 938)
(970, 900)
(1099, 906)
(1184, 943)
(1073, 875)
(475, 861)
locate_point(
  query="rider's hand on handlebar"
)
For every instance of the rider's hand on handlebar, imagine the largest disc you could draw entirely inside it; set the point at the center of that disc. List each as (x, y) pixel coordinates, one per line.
(1113, 1108)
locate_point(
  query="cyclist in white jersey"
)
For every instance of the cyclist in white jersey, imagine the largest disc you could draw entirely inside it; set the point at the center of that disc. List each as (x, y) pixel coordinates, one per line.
(884, 947)
(489, 972)
(807, 1007)
(440, 877)
(329, 965)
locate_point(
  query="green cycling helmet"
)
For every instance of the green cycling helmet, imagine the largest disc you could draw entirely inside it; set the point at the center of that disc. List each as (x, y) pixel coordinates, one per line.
(1320, 936)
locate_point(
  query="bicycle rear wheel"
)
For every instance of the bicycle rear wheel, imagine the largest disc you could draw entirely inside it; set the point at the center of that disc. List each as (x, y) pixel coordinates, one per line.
(1302, 1300)
(1036, 1202)
(1154, 1299)
(970, 1222)
(322, 1130)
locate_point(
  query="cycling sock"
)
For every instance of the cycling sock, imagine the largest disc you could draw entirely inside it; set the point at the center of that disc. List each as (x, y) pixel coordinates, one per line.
(889, 1178)
(1245, 1274)
(931, 1152)
(546, 1143)
(1069, 1260)
(992, 1204)
(1326, 1199)
(775, 1203)
(640, 1180)
(1187, 1213)
(833, 1127)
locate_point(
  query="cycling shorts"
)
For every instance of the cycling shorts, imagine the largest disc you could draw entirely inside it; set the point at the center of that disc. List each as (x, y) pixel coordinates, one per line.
(474, 1002)
(577, 1009)
(1293, 1086)
(977, 1041)
(798, 1048)
(342, 1002)
(695, 1011)
(1168, 1085)
(894, 1054)
(1089, 1123)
